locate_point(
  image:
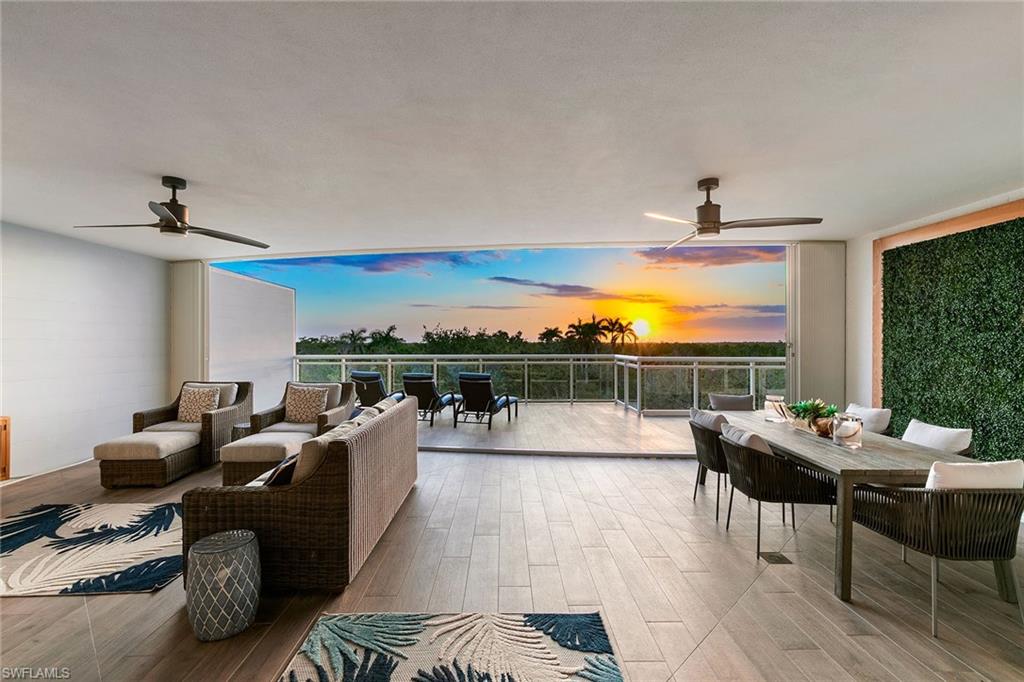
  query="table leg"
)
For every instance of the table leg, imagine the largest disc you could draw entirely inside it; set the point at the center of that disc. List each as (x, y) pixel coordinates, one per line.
(844, 537)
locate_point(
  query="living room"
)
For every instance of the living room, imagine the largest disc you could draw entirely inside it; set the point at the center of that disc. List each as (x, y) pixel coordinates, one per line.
(571, 216)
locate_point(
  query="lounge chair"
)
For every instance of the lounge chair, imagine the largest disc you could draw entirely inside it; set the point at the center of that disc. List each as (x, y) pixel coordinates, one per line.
(431, 402)
(370, 388)
(478, 399)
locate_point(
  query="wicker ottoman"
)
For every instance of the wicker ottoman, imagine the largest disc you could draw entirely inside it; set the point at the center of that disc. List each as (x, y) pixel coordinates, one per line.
(246, 459)
(147, 458)
(223, 587)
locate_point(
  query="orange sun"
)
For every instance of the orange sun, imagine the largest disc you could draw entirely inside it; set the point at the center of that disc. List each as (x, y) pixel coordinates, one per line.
(641, 327)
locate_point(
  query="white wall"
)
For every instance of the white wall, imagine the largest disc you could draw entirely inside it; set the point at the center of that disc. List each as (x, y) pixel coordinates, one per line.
(252, 333)
(819, 333)
(859, 294)
(84, 344)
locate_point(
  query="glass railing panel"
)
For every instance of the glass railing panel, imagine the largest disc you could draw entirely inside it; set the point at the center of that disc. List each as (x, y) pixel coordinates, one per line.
(667, 387)
(730, 381)
(549, 380)
(593, 380)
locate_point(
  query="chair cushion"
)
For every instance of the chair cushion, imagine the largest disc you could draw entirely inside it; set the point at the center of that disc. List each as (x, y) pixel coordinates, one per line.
(176, 426)
(731, 402)
(946, 475)
(502, 401)
(709, 420)
(876, 419)
(385, 404)
(315, 449)
(333, 391)
(291, 427)
(228, 391)
(146, 445)
(282, 473)
(302, 404)
(938, 437)
(746, 439)
(195, 400)
(263, 447)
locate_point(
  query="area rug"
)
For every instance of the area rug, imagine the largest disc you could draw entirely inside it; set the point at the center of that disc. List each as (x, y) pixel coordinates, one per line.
(90, 549)
(464, 647)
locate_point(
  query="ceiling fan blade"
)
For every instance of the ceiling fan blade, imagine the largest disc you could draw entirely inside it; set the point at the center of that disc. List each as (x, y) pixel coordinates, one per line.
(166, 217)
(658, 216)
(769, 222)
(132, 225)
(680, 241)
(227, 237)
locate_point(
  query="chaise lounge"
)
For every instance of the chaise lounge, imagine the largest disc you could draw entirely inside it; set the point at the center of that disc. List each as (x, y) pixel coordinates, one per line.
(174, 440)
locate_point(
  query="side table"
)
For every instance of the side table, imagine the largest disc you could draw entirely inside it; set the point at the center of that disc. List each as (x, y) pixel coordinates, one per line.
(223, 587)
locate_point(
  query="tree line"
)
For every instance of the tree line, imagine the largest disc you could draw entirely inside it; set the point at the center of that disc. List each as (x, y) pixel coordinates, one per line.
(596, 335)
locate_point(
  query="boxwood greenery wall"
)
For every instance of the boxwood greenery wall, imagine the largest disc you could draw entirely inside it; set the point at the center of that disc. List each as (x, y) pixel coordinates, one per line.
(953, 324)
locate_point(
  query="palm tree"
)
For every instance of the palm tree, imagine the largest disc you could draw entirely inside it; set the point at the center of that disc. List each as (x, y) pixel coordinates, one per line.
(627, 333)
(586, 336)
(355, 340)
(613, 327)
(382, 339)
(550, 335)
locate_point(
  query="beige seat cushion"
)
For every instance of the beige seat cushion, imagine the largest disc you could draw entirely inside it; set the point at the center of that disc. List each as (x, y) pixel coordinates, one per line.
(263, 447)
(385, 404)
(228, 391)
(333, 391)
(293, 427)
(314, 450)
(195, 427)
(146, 445)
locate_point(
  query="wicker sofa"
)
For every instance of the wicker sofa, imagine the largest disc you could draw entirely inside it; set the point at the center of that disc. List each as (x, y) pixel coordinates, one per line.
(316, 533)
(214, 431)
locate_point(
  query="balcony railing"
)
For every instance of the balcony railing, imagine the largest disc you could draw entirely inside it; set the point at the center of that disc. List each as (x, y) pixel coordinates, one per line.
(639, 383)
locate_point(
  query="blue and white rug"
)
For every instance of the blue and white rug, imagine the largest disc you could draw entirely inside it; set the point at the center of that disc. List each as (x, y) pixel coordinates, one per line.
(463, 647)
(90, 549)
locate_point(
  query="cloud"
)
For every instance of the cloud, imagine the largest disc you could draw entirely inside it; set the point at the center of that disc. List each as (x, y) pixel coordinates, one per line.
(386, 262)
(711, 256)
(560, 290)
(745, 322)
(471, 307)
(755, 308)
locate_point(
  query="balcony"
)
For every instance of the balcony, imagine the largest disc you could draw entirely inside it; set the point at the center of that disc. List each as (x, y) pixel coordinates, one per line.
(621, 405)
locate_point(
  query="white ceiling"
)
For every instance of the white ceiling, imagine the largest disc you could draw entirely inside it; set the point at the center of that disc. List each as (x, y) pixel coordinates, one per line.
(328, 127)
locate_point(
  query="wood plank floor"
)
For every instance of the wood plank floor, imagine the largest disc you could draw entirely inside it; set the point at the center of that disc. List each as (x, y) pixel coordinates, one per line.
(683, 599)
(563, 428)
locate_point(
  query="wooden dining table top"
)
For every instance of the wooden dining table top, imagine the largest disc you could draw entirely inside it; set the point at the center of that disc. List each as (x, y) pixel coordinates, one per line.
(879, 457)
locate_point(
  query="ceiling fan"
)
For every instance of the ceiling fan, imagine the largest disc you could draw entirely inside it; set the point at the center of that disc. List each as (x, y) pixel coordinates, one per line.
(173, 218)
(709, 218)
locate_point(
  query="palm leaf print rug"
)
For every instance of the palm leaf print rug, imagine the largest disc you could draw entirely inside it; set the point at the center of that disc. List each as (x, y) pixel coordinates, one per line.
(464, 647)
(90, 549)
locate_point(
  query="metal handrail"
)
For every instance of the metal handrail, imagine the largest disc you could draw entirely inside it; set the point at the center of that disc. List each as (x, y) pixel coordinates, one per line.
(626, 391)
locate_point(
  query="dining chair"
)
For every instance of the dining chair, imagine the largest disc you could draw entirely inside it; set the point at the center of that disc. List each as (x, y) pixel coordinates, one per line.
(706, 428)
(767, 477)
(953, 523)
(722, 401)
(875, 419)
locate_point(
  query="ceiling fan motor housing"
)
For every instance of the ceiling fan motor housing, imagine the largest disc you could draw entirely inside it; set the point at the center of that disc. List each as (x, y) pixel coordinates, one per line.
(709, 216)
(179, 211)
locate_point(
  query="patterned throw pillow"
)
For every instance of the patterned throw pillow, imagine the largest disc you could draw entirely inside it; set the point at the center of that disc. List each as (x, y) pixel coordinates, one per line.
(304, 403)
(195, 400)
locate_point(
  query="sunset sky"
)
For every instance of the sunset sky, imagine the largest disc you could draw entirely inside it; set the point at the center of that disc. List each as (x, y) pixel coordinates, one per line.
(711, 293)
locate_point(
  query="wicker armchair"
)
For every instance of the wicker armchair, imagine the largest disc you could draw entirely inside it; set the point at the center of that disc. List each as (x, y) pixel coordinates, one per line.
(325, 421)
(959, 525)
(772, 478)
(216, 424)
(710, 457)
(316, 533)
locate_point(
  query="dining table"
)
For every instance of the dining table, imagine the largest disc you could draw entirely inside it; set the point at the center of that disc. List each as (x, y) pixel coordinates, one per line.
(880, 460)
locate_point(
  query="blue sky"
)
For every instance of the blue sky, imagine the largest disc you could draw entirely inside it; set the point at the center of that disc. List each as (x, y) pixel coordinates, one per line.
(716, 293)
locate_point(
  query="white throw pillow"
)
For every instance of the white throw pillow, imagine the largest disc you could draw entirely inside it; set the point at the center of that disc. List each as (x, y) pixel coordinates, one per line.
(945, 475)
(746, 439)
(938, 437)
(195, 401)
(709, 420)
(876, 419)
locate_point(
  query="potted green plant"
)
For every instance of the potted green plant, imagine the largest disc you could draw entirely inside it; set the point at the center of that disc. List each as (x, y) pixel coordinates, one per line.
(815, 414)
